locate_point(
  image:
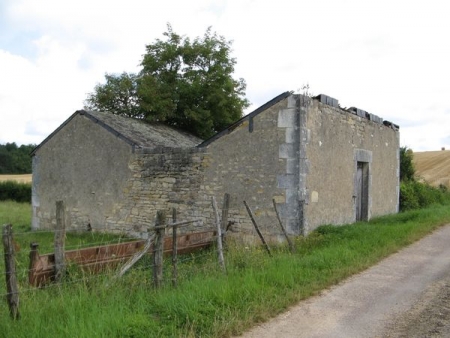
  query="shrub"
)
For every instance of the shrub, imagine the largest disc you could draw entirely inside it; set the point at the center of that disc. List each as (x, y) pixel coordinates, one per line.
(15, 191)
(415, 195)
(407, 170)
(408, 197)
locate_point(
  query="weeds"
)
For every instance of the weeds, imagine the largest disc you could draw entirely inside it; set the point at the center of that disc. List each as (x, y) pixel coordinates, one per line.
(207, 302)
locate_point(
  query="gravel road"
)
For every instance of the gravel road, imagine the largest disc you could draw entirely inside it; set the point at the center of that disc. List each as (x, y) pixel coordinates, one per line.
(405, 295)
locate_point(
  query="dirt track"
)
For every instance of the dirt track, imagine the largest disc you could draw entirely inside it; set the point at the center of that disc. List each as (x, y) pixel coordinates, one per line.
(405, 295)
(429, 316)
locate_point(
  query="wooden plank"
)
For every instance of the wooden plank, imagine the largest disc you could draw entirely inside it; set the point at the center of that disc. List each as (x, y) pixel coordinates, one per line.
(137, 256)
(257, 228)
(12, 296)
(291, 245)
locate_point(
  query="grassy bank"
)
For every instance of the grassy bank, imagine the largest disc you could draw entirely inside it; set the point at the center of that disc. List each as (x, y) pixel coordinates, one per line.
(206, 302)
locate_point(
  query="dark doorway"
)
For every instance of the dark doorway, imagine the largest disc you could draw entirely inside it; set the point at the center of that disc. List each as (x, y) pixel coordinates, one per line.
(362, 191)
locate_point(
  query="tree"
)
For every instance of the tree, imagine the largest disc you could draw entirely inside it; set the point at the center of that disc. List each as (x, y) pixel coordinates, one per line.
(14, 159)
(407, 170)
(118, 96)
(183, 83)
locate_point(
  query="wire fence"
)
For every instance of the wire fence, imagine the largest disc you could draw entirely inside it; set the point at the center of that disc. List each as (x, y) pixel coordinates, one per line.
(107, 276)
(106, 265)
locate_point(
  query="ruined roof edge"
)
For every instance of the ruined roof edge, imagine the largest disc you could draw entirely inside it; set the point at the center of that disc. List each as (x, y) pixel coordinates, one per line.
(234, 125)
(330, 101)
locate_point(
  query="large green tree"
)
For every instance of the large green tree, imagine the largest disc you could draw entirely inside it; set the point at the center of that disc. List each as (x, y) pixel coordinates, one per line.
(184, 83)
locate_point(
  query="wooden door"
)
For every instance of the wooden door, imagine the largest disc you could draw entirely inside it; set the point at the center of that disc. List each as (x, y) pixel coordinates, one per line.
(362, 191)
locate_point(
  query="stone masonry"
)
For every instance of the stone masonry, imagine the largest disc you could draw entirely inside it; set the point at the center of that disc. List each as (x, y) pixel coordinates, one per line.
(302, 152)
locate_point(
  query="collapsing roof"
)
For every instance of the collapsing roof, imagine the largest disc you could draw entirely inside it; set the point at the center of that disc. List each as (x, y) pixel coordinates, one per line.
(324, 99)
(137, 133)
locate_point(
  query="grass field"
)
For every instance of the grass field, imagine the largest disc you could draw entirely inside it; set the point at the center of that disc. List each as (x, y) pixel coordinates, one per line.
(18, 178)
(433, 166)
(206, 303)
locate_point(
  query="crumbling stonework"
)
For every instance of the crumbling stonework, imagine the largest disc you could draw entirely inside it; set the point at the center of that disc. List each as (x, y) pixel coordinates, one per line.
(161, 179)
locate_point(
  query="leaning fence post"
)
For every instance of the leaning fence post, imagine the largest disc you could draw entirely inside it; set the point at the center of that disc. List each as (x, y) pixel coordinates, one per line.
(174, 249)
(219, 235)
(257, 228)
(12, 296)
(225, 207)
(60, 235)
(158, 248)
(291, 246)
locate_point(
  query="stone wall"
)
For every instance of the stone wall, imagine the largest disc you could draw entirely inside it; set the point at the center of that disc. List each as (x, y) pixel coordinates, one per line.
(336, 139)
(251, 163)
(162, 179)
(85, 166)
(296, 150)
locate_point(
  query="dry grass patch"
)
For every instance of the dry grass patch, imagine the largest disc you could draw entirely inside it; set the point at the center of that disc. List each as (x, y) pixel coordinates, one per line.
(26, 178)
(433, 167)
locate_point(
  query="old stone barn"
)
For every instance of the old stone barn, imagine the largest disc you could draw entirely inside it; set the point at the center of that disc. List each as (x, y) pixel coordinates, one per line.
(320, 163)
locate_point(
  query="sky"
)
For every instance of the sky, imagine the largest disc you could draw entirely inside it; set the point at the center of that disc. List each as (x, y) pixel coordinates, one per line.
(390, 58)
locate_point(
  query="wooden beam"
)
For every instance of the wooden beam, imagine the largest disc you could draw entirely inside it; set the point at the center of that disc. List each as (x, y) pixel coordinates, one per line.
(257, 228)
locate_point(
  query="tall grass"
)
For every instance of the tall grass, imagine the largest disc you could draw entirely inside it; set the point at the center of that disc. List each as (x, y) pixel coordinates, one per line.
(208, 303)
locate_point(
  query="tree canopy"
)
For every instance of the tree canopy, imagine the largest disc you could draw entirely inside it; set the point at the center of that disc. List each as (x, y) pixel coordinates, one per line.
(14, 159)
(183, 83)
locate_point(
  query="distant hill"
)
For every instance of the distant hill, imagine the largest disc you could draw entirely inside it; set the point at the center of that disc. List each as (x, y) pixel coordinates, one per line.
(433, 166)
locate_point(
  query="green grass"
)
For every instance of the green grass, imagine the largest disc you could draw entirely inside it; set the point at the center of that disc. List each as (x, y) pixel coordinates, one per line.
(208, 303)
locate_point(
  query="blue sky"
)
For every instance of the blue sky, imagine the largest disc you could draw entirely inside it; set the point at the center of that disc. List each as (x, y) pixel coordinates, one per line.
(390, 58)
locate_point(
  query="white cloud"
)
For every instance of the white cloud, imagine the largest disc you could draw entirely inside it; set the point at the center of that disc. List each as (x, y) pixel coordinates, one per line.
(389, 58)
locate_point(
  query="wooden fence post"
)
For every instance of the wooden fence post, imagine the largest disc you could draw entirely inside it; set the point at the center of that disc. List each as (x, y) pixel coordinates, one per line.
(34, 257)
(158, 248)
(291, 245)
(219, 235)
(60, 234)
(225, 207)
(174, 249)
(257, 228)
(12, 296)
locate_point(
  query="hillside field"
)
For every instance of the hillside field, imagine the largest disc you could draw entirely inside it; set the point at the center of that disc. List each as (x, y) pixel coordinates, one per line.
(26, 178)
(433, 166)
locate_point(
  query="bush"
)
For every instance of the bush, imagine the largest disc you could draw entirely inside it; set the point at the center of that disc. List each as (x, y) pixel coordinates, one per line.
(15, 191)
(415, 195)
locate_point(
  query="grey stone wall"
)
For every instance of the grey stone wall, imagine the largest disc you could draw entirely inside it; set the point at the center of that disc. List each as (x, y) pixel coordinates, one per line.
(298, 151)
(256, 162)
(336, 139)
(85, 166)
(162, 179)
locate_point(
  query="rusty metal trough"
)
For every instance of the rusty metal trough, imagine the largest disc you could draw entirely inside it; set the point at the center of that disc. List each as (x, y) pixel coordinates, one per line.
(99, 258)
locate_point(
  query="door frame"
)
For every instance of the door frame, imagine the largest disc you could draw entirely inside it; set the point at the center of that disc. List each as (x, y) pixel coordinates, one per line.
(362, 201)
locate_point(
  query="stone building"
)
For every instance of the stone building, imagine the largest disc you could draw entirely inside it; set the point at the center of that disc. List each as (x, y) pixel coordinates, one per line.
(320, 163)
